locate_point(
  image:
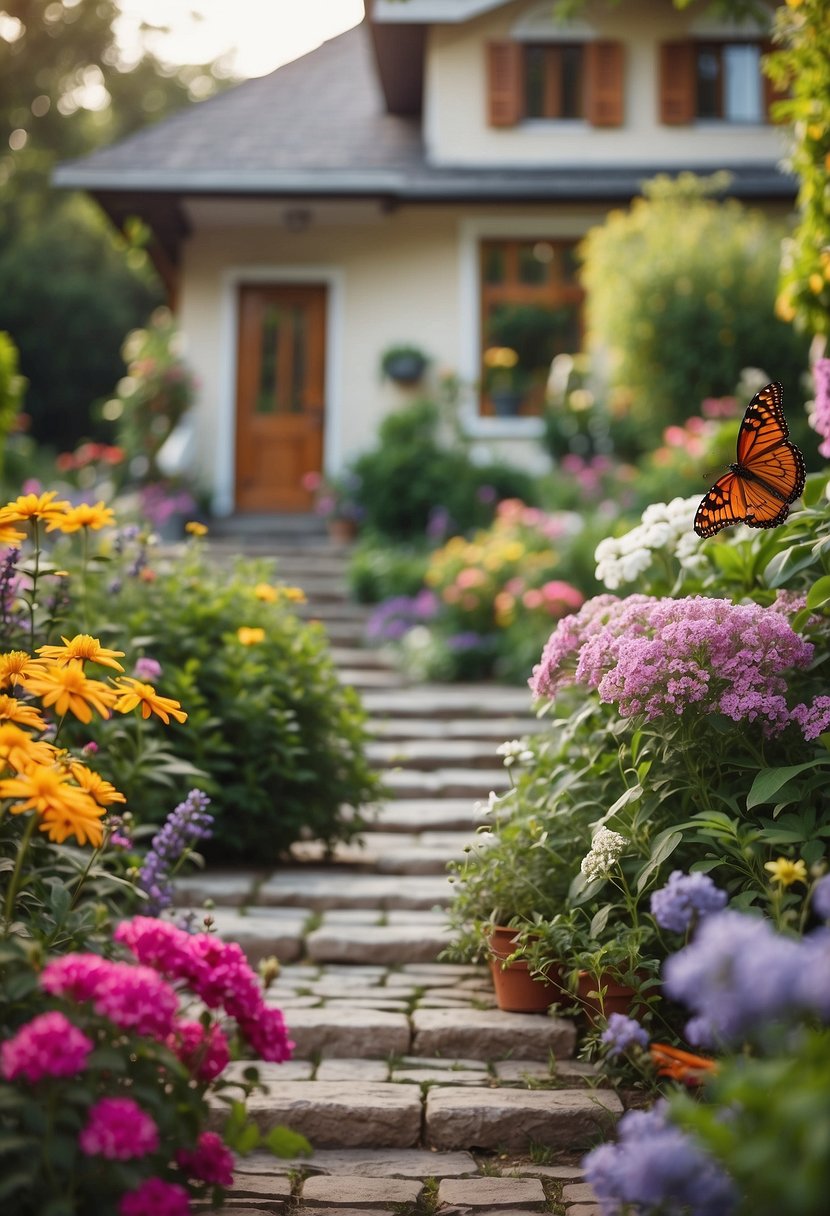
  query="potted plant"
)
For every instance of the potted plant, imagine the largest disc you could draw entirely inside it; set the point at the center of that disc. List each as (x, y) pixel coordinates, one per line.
(337, 501)
(505, 381)
(403, 364)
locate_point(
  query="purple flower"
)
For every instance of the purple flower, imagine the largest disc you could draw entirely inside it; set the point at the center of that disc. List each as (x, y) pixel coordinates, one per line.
(814, 719)
(147, 669)
(820, 421)
(466, 640)
(654, 1165)
(684, 899)
(184, 827)
(821, 897)
(736, 975)
(394, 617)
(438, 524)
(487, 494)
(621, 1033)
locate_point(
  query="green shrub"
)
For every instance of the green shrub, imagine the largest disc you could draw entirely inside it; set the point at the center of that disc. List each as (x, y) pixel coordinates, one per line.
(378, 570)
(280, 738)
(12, 387)
(681, 289)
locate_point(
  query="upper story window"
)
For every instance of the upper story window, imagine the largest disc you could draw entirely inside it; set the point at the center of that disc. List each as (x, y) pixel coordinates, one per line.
(713, 81)
(563, 80)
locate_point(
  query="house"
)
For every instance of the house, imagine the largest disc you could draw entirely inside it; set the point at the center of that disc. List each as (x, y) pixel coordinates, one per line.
(422, 179)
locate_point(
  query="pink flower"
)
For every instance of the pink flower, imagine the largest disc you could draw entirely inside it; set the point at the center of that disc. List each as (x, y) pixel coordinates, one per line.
(155, 1197)
(147, 669)
(267, 1034)
(820, 420)
(119, 1129)
(133, 997)
(48, 1046)
(204, 1052)
(211, 1161)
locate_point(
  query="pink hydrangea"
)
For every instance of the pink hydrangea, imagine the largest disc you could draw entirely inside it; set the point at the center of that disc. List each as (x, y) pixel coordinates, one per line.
(820, 420)
(133, 997)
(204, 1052)
(267, 1034)
(155, 1197)
(47, 1046)
(117, 1128)
(557, 666)
(211, 1161)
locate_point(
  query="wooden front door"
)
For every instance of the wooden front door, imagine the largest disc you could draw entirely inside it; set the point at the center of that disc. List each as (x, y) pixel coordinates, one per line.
(280, 400)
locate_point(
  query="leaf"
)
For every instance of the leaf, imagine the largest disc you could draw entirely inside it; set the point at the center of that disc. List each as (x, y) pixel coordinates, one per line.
(664, 847)
(283, 1142)
(600, 920)
(784, 565)
(770, 780)
(819, 593)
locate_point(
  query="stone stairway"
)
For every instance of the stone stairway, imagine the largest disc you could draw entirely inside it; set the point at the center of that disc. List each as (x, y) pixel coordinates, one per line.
(416, 1092)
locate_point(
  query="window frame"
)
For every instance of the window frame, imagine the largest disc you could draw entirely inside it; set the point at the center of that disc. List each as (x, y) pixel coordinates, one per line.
(718, 47)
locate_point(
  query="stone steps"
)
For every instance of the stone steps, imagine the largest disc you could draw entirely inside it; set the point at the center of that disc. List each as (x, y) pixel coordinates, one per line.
(431, 754)
(491, 730)
(451, 701)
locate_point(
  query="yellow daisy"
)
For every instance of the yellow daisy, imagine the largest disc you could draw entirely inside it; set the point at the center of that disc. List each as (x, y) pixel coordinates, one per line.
(195, 528)
(40, 787)
(266, 593)
(83, 648)
(85, 515)
(16, 666)
(82, 822)
(786, 872)
(13, 710)
(132, 692)
(70, 691)
(250, 635)
(33, 506)
(295, 595)
(10, 537)
(18, 749)
(103, 792)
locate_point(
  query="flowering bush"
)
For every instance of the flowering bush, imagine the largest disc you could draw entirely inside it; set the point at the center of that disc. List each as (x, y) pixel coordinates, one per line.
(336, 497)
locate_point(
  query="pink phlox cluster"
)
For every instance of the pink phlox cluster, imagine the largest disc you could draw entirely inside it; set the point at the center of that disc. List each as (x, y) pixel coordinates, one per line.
(117, 1128)
(155, 1197)
(47, 1046)
(132, 997)
(557, 667)
(211, 1161)
(820, 421)
(204, 1052)
(814, 719)
(216, 971)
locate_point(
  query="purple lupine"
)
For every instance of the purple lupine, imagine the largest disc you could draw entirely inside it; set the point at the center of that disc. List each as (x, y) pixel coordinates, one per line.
(621, 1033)
(655, 1166)
(684, 900)
(821, 898)
(184, 827)
(820, 420)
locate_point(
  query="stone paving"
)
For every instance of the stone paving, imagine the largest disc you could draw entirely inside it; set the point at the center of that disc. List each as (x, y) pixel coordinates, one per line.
(418, 1095)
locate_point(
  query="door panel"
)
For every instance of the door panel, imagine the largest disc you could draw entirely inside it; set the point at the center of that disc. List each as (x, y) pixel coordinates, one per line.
(280, 401)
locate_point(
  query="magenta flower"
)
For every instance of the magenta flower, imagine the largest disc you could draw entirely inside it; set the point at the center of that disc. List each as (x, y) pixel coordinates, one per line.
(147, 669)
(155, 1197)
(133, 997)
(820, 420)
(266, 1032)
(211, 1161)
(119, 1129)
(204, 1052)
(47, 1046)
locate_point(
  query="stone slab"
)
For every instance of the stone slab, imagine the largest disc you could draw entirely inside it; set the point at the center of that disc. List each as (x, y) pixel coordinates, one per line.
(446, 782)
(228, 888)
(495, 729)
(351, 1191)
(434, 753)
(260, 1186)
(476, 1194)
(349, 1033)
(439, 1076)
(376, 943)
(451, 701)
(578, 1192)
(263, 932)
(414, 814)
(322, 889)
(513, 1119)
(271, 1074)
(489, 1034)
(335, 1114)
(368, 1163)
(352, 1070)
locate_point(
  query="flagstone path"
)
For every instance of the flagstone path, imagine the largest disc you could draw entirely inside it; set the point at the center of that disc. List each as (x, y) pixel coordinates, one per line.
(417, 1093)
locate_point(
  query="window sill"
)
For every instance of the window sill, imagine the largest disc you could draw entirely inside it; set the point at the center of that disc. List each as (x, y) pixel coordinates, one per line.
(544, 126)
(478, 426)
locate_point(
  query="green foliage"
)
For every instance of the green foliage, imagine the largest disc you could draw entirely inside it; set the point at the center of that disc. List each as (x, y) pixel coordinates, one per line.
(378, 570)
(280, 738)
(679, 264)
(12, 388)
(801, 65)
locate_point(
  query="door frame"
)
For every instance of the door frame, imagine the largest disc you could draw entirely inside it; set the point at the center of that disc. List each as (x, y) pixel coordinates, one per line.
(330, 277)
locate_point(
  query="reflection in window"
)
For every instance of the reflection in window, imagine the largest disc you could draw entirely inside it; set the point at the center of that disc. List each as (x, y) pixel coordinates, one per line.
(729, 81)
(266, 398)
(283, 360)
(554, 81)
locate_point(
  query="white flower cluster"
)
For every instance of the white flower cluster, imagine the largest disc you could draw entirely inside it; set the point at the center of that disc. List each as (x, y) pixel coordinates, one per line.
(514, 752)
(606, 848)
(623, 559)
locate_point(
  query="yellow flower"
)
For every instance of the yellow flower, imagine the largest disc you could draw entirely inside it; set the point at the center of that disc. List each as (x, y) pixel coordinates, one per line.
(70, 691)
(132, 692)
(33, 506)
(10, 537)
(16, 666)
(786, 872)
(13, 710)
(19, 749)
(64, 809)
(266, 593)
(82, 822)
(250, 635)
(94, 784)
(83, 648)
(83, 516)
(195, 528)
(816, 282)
(294, 595)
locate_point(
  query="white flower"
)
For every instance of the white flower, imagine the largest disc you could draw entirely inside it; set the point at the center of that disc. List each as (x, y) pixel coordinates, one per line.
(606, 848)
(514, 751)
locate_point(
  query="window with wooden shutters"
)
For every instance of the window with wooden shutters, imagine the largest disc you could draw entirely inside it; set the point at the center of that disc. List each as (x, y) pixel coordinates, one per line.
(505, 83)
(719, 81)
(560, 80)
(677, 83)
(604, 83)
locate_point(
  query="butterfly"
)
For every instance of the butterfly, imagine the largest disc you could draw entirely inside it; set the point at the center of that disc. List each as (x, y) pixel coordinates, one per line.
(767, 476)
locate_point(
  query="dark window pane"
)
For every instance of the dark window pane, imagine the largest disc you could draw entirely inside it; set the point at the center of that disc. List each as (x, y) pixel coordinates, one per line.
(266, 400)
(568, 263)
(298, 369)
(535, 81)
(708, 82)
(572, 90)
(532, 269)
(493, 262)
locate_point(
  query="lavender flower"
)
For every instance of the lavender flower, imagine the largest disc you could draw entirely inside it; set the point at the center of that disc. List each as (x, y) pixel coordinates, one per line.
(621, 1033)
(397, 615)
(821, 897)
(820, 420)
(737, 974)
(147, 669)
(184, 827)
(814, 719)
(656, 1166)
(684, 899)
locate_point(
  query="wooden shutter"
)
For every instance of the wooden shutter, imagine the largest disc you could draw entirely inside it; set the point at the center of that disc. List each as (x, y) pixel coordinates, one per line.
(677, 83)
(604, 83)
(771, 93)
(505, 83)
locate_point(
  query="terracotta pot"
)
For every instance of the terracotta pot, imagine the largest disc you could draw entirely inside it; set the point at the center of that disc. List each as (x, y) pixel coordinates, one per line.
(517, 991)
(342, 530)
(616, 998)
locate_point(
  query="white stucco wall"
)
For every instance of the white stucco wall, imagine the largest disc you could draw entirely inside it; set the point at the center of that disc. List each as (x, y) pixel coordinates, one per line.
(456, 130)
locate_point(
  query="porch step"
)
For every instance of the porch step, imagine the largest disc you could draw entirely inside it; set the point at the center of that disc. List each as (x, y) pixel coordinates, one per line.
(410, 814)
(493, 730)
(471, 783)
(323, 889)
(450, 701)
(430, 754)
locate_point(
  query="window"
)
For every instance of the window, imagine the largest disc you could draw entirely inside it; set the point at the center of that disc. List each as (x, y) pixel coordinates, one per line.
(531, 310)
(728, 79)
(563, 80)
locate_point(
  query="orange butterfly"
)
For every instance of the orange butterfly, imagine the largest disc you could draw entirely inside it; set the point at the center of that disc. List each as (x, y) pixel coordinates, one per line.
(767, 476)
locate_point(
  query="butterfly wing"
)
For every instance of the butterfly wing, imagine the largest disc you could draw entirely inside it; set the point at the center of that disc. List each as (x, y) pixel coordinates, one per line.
(769, 473)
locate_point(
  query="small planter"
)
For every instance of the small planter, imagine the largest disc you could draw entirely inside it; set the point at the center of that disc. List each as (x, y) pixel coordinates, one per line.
(517, 991)
(615, 998)
(507, 402)
(342, 531)
(406, 368)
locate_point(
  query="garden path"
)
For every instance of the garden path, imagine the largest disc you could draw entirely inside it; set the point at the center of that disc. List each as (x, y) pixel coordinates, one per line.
(417, 1093)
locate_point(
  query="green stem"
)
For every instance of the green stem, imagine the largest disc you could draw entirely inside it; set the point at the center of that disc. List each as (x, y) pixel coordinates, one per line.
(83, 877)
(11, 894)
(35, 574)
